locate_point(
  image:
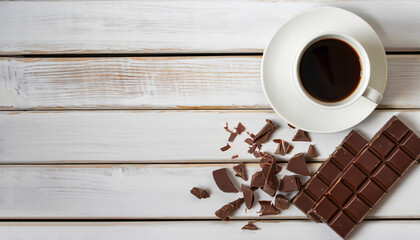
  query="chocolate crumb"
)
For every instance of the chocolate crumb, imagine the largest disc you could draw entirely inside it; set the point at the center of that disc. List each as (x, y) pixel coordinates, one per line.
(297, 164)
(301, 136)
(235, 156)
(224, 212)
(257, 154)
(199, 193)
(263, 135)
(291, 126)
(252, 148)
(290, 183)
(281, 202)
(240, 171)
(267, 208)
(227, 129)
(232, 137)
(312, 152)
(259, 146)
(277, 140)
(223, 181)
(249, 141)
(248, 196)
(251, 135)
(240, 128)
(225, 148)
(250, 226)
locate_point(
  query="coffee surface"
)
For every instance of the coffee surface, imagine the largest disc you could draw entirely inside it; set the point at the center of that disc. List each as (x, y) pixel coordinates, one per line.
(330, 70)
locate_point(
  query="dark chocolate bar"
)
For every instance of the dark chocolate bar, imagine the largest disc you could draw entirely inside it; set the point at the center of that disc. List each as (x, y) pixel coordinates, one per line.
(327, 173)
(369, 176)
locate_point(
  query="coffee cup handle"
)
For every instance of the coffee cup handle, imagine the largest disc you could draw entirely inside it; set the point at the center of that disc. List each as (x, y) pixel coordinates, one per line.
(373, 95)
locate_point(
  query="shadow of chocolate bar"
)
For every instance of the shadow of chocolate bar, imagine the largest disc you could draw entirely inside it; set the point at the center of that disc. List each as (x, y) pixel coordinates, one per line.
(369, 176)
(332, 168)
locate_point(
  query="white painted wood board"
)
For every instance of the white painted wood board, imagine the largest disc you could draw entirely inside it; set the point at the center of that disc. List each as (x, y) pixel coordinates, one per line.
(192, 230)
(155, 136)
(163, 83)
(39, 27)
(153, 191)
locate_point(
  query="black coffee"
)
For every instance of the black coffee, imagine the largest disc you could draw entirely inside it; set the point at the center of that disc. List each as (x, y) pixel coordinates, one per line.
(330, 70)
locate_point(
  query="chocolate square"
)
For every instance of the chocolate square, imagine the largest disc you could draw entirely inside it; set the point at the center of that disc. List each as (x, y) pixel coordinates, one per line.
(354, 177)
(354, 142)
(399, 160)
(412, 144)
(329, 171)
(371, 192)
(397, 130)
(304, 202)
(382, 145)
(357, 209)
(385, 176)
(325, 209)
(342, 157)
(316, 187)
(367, 161)
(342, 224)
(339, 193)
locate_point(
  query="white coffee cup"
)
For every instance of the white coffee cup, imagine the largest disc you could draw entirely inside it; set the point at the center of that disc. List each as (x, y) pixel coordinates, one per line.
(362, 90)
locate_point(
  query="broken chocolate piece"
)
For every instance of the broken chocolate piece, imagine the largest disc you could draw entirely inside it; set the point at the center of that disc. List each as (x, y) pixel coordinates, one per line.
(301, 136)
(227, 128)
(232, 137)
(223, 181)
(281, 202)
(225, 148)
(280, 149)
(267, 208)
(240, 171)
(266, 158)
(252, 148)
(283, 148)
(297, 164)
(235, 156)
(199, 193)
(257, 154)
(291, 126)
(248, 196)
(224, 212)
(257, 180)
(249, 141)
(250, 226)
(259, 146)
(251, 135)
(287, 147)
(240, 128)
(263, 135)
(271, 182)
(312, 152)
(290, 183)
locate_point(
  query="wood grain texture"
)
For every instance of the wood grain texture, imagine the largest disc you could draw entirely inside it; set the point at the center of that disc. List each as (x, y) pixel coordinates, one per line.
(152, 192)
(39, 27)
(154, 136)
(192, 230)
(163, 83)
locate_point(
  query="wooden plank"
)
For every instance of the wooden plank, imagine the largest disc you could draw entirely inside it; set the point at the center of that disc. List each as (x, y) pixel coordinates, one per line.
(192, 230)
(52, 27)
(154, 136)
(151, 192)
(163, 83)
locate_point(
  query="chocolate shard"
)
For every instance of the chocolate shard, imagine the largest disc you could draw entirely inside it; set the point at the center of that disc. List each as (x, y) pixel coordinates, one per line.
(223, 181)
(290, 183)
(280, 149)
(267, 208)
(240, 128)
(257, 154)
(287, 147)
(251, 135)
(199, 193)
(263, 135)
(266, 158)
(277, 140)
(232, 137)
(250, 226)
(227, 128)
(224, 212)
(301, 136)
(278, 169)
(297, 164)
(312, 152)
(271, 182)
(281, 202)
(291, 126)
(249, 141)
(225, 148)
(240, 171)
(248, 196)
(235, 156)
(252, 148)
(257, 180)
(283, 148)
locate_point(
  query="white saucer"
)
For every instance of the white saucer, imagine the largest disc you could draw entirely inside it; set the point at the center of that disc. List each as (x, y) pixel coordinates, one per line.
(277, 68)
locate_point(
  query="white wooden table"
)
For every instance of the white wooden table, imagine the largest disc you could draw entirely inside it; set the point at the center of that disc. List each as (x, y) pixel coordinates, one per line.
(112, 111)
